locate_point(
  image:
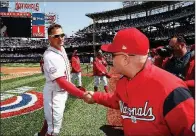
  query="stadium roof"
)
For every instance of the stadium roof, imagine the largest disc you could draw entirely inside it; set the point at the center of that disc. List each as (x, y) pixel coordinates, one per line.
(131, 9)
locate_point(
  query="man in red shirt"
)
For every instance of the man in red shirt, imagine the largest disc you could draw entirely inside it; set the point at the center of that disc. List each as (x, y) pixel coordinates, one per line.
(100, 71)
(76, 68)
(152, 101)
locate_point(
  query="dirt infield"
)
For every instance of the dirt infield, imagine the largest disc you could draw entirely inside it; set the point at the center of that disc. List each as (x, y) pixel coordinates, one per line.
(14, 72)
(113, 116)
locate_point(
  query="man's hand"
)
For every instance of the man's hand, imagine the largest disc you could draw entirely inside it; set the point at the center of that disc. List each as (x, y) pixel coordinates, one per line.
(88, 97)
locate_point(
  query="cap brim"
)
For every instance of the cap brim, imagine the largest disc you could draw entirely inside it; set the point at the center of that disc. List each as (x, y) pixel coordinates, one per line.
(108, 48)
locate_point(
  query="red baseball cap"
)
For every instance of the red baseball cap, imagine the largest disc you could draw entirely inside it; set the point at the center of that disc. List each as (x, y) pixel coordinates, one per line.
(130, 41)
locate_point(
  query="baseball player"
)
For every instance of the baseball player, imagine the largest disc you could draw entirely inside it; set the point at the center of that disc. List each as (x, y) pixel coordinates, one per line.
(76, 69)
(152, 101)
(57, 73)
(100, 71)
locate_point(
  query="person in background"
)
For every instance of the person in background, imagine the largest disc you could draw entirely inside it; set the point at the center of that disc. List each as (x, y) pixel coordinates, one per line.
(76, 69)
(159, 60)
(100, 71)
(181, 56)
(181, 63)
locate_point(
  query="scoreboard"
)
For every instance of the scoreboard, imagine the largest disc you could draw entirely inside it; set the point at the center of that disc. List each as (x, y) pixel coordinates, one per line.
(15, 24)
(22, 24)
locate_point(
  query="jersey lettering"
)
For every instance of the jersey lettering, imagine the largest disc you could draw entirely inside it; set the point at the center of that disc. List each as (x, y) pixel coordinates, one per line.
(141, 113)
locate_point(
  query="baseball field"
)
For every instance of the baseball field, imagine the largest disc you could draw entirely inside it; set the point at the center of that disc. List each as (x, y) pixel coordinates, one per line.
(22, 105)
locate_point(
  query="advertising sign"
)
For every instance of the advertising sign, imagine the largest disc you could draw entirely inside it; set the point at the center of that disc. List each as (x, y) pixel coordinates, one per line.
(38, 31)
(27, 6)
(15, 14)
(38, 19)
(50, 18)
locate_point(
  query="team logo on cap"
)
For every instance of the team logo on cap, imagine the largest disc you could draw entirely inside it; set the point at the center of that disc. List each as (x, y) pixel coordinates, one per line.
(23, 104)
(124, 47)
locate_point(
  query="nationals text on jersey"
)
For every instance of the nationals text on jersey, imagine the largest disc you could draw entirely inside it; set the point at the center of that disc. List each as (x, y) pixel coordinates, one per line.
(135, 114)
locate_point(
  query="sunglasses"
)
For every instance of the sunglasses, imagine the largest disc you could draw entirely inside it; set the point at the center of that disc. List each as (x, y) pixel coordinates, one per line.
(57, 36)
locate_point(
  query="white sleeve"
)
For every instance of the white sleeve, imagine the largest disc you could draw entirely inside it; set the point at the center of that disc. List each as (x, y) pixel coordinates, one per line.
(53, 68)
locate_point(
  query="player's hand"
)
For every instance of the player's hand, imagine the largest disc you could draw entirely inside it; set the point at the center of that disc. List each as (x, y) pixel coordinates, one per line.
(88, 97)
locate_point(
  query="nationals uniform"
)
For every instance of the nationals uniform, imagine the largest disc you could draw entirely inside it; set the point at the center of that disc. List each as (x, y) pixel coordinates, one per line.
(99, 73)
(76, 69)
(152, 106)
(56, 64)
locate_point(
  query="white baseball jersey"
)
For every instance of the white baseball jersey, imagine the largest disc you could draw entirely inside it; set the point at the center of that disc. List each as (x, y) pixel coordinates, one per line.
(56, 64)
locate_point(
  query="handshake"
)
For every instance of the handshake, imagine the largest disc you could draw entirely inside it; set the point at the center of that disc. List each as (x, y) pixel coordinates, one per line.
(88, 97)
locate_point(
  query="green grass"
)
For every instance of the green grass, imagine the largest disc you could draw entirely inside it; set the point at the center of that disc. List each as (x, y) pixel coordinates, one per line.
(84, 68)
(79, 117)
(84, 119)
(34, 80)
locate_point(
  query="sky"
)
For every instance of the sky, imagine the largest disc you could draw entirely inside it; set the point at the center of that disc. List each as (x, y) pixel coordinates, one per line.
(72, 14)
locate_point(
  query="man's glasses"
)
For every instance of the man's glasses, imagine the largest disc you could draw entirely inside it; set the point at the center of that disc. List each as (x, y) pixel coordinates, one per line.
(57, 36)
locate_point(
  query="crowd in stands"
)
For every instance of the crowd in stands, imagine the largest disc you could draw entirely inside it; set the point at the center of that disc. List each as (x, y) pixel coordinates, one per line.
(10, 42)
(22, 50)
(141, 21)
(106, 31)
(30, 55)
(166, 33)
(160, 34)
(20, 60)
